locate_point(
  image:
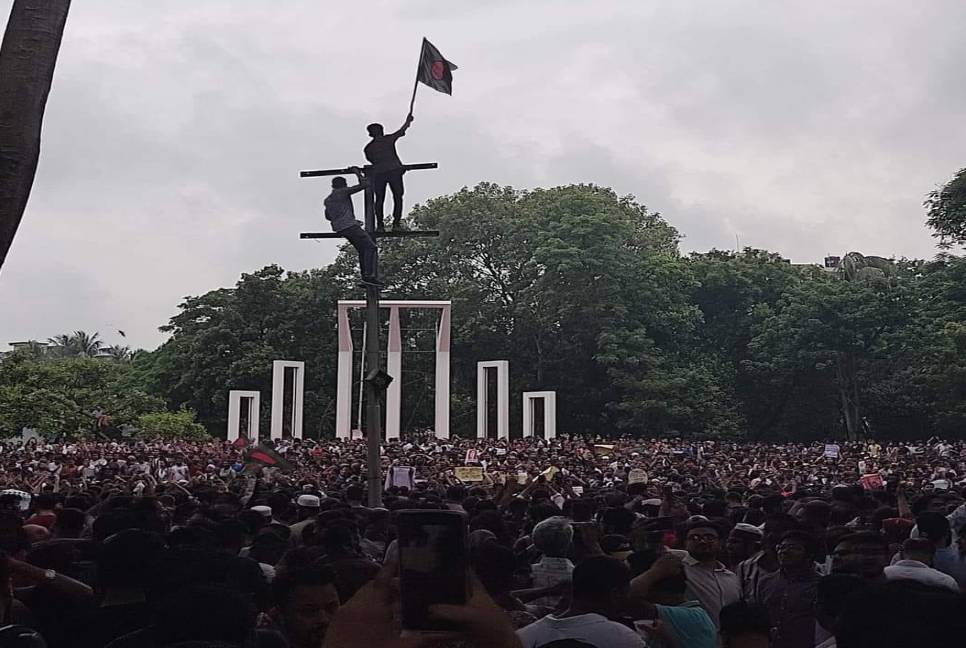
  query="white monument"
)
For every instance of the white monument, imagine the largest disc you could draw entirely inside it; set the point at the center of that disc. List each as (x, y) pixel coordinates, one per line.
(251, 404)
(343, 401)
(530, 400)
(278, 398)
(502, 368)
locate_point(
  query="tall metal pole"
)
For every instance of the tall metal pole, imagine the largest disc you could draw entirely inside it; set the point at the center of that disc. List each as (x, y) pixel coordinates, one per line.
(374, 391)
(373, 409)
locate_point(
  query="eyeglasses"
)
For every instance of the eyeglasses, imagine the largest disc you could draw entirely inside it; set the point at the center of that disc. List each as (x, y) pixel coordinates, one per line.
(704, 537)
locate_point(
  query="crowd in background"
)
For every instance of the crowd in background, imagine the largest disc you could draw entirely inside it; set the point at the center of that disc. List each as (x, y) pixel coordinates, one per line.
(573, 542)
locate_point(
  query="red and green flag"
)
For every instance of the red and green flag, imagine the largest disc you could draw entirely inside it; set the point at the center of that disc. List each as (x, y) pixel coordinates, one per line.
(434, 70)
(265, 455)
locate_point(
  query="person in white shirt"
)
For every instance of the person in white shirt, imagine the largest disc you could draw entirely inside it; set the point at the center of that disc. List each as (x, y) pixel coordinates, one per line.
(709, 581)
(598, 591)
(916, 564)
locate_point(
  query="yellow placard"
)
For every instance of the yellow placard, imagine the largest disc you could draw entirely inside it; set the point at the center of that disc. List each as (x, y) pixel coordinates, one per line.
(469, 473)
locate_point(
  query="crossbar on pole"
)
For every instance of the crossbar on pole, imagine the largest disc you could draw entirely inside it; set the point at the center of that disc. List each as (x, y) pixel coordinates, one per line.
(377, 234)
(367, 169)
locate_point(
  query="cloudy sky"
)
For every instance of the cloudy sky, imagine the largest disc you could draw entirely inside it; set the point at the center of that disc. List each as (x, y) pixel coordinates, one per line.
(176, 129)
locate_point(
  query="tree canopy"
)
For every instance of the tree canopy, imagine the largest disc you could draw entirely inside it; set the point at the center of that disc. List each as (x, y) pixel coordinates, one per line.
(585, 292)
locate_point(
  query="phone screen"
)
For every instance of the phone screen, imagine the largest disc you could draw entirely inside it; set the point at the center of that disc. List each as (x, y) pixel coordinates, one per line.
(432, 565)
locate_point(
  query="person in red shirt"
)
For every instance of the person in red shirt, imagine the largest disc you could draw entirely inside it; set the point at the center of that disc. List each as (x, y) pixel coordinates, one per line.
(45, 514)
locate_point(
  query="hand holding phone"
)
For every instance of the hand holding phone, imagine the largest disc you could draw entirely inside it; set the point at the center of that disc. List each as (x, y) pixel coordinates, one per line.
(433, 565)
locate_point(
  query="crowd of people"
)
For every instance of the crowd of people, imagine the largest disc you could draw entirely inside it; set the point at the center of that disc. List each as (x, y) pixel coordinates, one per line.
(571, 541)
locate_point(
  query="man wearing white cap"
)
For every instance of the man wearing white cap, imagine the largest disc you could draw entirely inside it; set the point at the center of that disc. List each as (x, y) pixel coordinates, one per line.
(307, 509)
(265, 512)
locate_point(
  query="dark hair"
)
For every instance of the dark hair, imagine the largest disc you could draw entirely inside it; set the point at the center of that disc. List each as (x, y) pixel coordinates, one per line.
(230, 533)
(715, 508)
(374, 129)
(44, 501)
(316, 574)
(918, 545)
(205, 613)
(619, 519)
(354, 492)
(933, 525)
(902, 613)
(599, 577)
(128, 558)
(455, 492)
(112, 522)
(834, 590)
(70, 522)
(864, 537)
(921, 503)
(494, 564)
(339, 182)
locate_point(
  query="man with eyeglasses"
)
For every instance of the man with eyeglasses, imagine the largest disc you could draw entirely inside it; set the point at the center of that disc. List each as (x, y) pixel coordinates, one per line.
(709, 581)
(789, 594)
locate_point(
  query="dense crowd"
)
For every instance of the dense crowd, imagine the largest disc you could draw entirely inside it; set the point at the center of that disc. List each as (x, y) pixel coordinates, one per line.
(572, 542)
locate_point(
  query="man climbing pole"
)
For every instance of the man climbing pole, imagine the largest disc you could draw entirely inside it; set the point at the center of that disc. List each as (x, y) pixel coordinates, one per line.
(340, 213)
(386, 167)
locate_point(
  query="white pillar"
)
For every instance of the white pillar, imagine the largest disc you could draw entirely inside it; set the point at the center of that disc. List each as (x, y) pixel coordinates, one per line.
(502, 398)
(441, 426)
(343, 394)
(251, 398)
(394, 369)
(278, 396)
(549, 399)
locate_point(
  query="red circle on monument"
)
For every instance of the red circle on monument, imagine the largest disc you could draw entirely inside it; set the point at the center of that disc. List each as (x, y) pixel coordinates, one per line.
(437, 69)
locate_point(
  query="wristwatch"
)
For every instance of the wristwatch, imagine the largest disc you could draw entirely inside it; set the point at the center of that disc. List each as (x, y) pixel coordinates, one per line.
(49, 574)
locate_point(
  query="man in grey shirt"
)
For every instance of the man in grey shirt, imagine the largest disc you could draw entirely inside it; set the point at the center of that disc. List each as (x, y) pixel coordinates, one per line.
(341, 215)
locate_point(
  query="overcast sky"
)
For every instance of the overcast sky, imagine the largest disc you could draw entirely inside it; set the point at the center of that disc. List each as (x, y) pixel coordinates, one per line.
(175, 130)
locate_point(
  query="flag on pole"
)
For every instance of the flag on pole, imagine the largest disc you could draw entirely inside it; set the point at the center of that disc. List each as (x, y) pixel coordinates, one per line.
(434, 70)
(265, 455)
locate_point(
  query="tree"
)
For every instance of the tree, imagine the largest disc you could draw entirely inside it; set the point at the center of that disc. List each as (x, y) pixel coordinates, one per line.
(559, 280)
(119, 353)
(946, 211)
(87, 344)
(731, 290)
(227, 339)
(171, 426)
(27, 59)
(57, 396)
(832, 332)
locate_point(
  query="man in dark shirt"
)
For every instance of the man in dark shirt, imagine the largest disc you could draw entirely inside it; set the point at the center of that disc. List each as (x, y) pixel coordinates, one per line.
(381, 153)
(341, 215)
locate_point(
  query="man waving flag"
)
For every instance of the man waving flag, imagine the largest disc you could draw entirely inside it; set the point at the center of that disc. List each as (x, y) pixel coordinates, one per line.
(434, 70)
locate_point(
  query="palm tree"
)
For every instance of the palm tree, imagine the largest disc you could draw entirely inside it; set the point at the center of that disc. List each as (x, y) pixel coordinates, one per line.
(84, 344)
(60, 345)
(119, 353)
(27, 58)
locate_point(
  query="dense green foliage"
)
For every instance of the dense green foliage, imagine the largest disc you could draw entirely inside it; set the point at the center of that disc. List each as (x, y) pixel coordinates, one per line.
(586, 294)
(178, 425)
(946, 212)
(57, 396)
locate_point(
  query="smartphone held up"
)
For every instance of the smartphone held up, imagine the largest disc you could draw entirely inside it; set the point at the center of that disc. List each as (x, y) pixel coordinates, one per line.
(433, 566)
